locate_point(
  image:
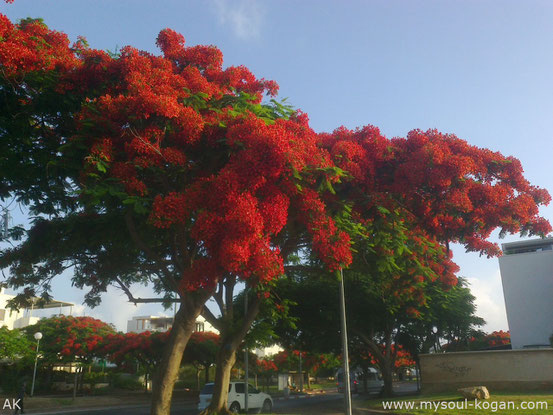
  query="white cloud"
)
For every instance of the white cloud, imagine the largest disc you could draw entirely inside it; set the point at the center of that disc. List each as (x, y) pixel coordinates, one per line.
(489, 301)
(245, 17)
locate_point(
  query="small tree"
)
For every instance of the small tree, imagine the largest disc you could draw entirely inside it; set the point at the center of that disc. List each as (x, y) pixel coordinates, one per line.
(68, 340)
(16, 356)
(14, 346)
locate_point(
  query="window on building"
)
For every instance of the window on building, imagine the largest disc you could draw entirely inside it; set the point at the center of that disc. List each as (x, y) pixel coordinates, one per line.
(199, 326)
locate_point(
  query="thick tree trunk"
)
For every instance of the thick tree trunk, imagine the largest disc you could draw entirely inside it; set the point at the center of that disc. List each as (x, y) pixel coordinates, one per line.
(206, 373)
(168, 370)
(226, 357)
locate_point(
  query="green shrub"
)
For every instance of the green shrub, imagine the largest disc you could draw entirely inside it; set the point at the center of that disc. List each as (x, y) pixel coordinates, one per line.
(126, 381)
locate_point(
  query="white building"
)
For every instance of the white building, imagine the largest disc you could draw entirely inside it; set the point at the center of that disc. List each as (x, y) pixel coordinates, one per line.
(24, 317)
(139, 324)
(527, 276)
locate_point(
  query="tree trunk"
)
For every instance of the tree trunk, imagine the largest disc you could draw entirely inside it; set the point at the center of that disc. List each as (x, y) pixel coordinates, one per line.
(225, 361)
(168, 370)
(419, 380)
(198, 377)
(386, 369)
(226, 357)
(206, 373)
(75, 384)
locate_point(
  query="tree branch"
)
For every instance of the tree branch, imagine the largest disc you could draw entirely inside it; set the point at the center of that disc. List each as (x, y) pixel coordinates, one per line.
(218, 296)
(135, 300)
(158, 260)
(211, 319)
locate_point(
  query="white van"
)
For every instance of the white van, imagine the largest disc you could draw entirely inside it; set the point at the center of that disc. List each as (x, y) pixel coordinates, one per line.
(356, 376)
(236, 399)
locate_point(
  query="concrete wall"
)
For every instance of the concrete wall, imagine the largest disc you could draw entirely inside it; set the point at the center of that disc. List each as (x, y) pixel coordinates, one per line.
(528, 289)
(509, 370)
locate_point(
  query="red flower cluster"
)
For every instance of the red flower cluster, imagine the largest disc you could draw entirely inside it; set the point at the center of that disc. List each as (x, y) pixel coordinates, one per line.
(31, 46)
(145, 347)
(73, 338)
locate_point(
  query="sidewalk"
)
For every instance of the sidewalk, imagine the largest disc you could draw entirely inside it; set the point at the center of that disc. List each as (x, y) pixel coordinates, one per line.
(44, 405)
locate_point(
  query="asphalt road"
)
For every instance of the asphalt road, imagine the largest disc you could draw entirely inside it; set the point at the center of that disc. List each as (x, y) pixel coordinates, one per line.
(327, 404)
(323, 404)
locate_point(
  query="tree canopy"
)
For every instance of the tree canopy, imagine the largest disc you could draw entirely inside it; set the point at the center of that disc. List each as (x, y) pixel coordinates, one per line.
(70, 339)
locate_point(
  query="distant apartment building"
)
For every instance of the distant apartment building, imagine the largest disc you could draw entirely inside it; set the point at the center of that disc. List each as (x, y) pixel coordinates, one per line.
(139, 324)
(527, 276)
(24, 317)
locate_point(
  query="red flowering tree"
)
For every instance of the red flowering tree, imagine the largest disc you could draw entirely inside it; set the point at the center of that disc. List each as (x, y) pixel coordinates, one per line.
(481, 341)
(166, 169)
(266, 368)
(286, 361)
(409, 198)
(67, 339)
(70, 340)
(126, 350)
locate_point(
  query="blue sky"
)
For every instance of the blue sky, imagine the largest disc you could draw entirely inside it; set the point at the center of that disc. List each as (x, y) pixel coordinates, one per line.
(480, 69)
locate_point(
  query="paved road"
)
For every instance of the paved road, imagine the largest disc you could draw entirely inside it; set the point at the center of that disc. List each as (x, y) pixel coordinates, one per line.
(323, 404)
(329, 404)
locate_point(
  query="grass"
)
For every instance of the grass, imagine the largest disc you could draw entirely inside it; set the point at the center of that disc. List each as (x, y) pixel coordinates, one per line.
(504, 403)
(323, 385)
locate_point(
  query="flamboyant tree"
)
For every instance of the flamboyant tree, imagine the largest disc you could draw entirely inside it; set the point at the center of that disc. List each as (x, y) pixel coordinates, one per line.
(70, 339)
(126, 350)
(432, 189)
(161, 169)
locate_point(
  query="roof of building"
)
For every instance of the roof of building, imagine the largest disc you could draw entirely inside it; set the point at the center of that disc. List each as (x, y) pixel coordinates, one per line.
(533, 245)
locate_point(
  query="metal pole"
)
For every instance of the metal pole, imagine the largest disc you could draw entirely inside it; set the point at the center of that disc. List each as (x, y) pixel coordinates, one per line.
(34, 372)
(247, 374)
(347, 391)
(301, 375)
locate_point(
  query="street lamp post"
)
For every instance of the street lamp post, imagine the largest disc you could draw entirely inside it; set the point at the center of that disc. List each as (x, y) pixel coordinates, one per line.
(37, 336)
(343, 326)
(246, 363)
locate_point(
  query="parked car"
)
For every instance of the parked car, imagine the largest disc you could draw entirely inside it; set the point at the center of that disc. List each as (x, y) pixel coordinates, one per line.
(236, 398)
(357, 378)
